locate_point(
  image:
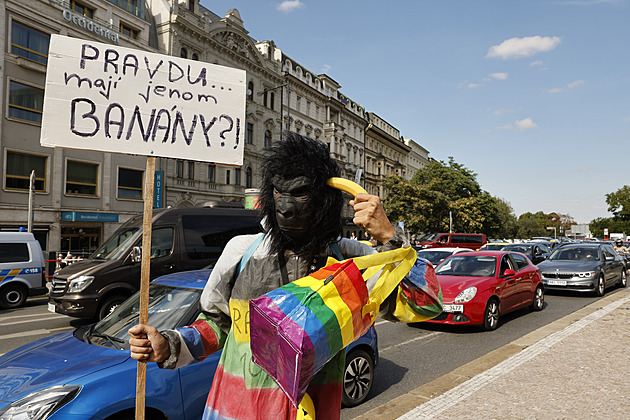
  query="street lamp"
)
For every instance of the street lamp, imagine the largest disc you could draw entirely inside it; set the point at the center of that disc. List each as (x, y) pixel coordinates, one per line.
(554, 231)
(288, 85)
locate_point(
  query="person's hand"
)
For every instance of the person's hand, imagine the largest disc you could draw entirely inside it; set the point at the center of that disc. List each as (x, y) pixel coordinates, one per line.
(147, 344)
(369, 213)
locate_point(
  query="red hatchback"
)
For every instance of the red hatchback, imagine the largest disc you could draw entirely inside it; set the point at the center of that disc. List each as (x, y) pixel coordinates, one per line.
(479, 286)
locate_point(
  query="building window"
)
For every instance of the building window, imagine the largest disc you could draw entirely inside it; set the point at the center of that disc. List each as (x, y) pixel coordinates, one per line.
(249, 134)
(183, 53)
(212, 173)
(317, 112)
(128, 32)
(191, 169)
(82, 9)
(179, 168)
(308, 108)
(267, 139)
(130, 183)
(237, 176)
(195, 57)
(227, 177)
(248, 177)
(81, 178)
(250, 91)
(265, 98)
(25, 102)
(29, 43)
(18, 171)
(297, 103)
(271, 100)
(135, 7)
(191, 5)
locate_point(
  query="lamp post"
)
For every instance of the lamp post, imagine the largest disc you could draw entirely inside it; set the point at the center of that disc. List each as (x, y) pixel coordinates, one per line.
(288, 85)
(554, 231)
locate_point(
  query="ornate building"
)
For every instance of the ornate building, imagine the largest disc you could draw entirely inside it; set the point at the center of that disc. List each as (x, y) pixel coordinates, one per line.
(417, 158)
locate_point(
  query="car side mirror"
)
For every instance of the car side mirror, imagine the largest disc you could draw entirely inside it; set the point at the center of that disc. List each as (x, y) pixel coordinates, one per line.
(509, 272)
(610, 258)
(136, 254)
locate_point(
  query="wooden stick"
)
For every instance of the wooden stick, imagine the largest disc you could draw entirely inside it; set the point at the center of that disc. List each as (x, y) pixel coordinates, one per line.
(145, 277)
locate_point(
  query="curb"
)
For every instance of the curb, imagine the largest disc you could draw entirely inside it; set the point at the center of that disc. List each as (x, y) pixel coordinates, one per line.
(414, 398)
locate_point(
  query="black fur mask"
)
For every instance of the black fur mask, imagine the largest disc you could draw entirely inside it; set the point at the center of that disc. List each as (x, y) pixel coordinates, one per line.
(293, 157)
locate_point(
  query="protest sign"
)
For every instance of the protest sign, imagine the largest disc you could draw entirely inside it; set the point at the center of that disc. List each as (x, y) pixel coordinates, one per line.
(114, 99)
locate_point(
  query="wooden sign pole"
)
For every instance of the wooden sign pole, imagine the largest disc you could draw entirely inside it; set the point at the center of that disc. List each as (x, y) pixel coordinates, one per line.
(141, 380)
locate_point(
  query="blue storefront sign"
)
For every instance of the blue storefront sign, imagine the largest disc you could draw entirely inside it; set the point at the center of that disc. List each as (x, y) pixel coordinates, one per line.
(159, 187)
(75, 216)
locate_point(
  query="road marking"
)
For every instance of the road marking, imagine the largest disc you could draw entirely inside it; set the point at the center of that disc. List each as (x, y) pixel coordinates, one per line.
(441, 403)
(44, 314)
(2, 324)
(34, 332)
(404, 343)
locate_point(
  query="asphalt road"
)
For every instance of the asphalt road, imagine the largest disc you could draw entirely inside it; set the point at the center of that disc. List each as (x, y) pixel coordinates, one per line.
(410, 355)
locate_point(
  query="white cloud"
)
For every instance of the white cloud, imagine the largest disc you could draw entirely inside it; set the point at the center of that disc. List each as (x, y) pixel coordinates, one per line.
(523, 47)
(502, 111)
(326, 68)
(288, 6)
(499, 76)
(507, 126)
(525, 124)
(553, 90)
(537, 63)
(474, 85)
(576, 84)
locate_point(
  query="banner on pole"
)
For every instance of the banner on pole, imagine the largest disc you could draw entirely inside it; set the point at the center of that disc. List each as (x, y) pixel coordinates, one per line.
(109, 98)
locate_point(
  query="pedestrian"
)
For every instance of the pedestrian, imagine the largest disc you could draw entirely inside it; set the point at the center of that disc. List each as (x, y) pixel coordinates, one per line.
(302, 219)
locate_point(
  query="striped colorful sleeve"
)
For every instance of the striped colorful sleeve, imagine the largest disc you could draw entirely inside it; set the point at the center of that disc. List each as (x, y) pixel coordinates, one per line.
(202, 338)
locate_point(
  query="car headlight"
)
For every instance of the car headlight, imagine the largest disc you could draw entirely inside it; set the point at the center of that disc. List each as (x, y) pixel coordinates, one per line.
(80, 283)
(466, 295)
(585, 274)
(41, 404)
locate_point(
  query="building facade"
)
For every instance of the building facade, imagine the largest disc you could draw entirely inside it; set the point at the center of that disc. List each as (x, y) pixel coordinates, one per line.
(418, 157)
(81, 196)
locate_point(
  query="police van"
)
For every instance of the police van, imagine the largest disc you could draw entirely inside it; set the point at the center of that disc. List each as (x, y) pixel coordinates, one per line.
(22, 271)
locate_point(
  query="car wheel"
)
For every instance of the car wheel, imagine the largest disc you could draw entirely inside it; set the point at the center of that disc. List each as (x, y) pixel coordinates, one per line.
(539, 299)
(357, 378)
(601, 286)
(491, 315)
(624, 279)
(109, 305)
(13, 295)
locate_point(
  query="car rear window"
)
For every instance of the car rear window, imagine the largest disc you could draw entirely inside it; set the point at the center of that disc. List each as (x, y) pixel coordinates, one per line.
(466, 239)
(13, 252)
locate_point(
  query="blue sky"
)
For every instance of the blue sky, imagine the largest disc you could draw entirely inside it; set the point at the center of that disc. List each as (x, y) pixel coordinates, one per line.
(532, 95)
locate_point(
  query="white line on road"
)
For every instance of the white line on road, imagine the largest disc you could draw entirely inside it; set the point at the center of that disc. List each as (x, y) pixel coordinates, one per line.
(45, 315)
(404, 343)
(34, 332)
(27, 321)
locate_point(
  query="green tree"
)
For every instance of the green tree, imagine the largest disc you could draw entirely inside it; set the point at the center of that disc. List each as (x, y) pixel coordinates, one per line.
(452, 179)
(613, 224)
(507, 220)
(619, 203)
(531, 225)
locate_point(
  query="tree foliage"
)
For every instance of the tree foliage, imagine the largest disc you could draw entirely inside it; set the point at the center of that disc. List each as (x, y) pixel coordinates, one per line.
(619, 203)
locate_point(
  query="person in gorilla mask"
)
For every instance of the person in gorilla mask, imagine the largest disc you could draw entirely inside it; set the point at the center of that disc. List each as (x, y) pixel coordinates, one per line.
(302, 219)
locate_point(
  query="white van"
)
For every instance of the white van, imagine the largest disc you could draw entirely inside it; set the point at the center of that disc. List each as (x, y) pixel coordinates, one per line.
(22, 271)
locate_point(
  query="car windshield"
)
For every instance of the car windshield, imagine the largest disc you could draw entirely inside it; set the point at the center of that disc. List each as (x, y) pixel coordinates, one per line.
(492, 247)
(429, 237)
(517, 248)
(168, 309)
(434, 256)
(567, 253)
(468, 265)
(117, 243)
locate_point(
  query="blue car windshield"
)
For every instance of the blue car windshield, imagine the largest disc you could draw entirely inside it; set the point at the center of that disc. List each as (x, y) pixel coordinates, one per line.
(168, 309)
(435, 256)
(468, 265)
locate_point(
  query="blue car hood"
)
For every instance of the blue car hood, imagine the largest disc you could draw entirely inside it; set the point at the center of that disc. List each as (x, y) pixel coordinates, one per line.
(55, 360)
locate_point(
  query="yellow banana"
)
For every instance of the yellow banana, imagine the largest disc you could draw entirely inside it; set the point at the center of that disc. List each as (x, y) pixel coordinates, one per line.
(346, 185)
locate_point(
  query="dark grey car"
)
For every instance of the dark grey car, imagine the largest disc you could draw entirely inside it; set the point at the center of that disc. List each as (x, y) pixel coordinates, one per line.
(589, 268)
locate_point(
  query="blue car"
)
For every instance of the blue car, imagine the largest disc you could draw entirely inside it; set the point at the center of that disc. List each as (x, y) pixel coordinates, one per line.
(88, 373)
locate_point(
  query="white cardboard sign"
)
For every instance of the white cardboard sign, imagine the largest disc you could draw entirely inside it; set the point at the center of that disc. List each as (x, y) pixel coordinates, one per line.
(113, 99)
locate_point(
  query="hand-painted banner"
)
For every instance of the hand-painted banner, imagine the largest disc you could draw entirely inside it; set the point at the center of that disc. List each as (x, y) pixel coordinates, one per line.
(114, 99)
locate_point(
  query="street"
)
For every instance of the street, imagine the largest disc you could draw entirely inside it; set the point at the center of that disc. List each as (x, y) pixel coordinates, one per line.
(410, 355)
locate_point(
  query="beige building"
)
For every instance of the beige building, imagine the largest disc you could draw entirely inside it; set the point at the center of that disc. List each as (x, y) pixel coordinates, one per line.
(386, 154)
(418, 157)
(81, 197)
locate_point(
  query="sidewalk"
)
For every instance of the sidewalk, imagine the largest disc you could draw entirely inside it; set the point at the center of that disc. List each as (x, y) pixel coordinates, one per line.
(574, 368)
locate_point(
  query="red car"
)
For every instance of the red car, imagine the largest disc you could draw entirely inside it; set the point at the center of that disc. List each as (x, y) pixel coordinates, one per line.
(479, 286)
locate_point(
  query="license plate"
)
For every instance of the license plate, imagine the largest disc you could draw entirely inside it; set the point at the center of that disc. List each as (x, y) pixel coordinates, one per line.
(557, 282)
(453, 308)
(51, 307)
